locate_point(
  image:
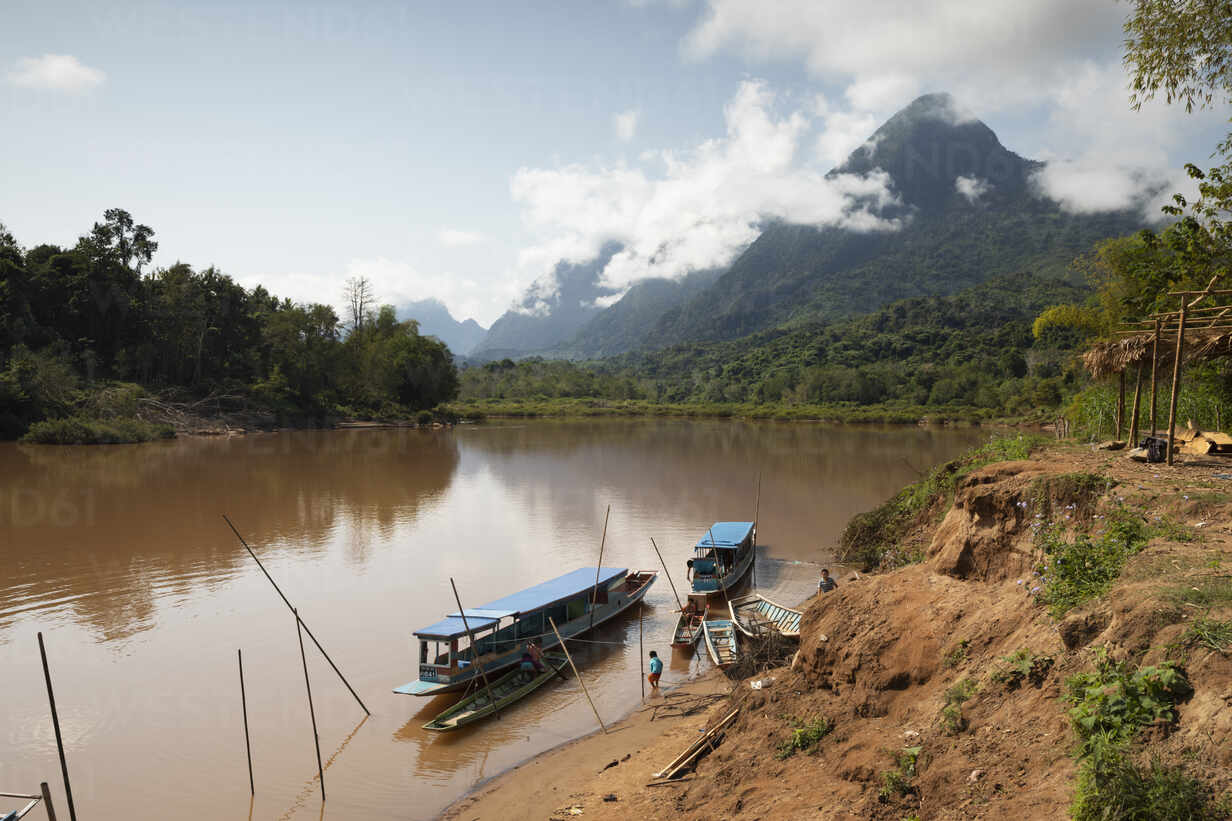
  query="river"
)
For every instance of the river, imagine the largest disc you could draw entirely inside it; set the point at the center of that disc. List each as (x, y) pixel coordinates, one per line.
(120, 556)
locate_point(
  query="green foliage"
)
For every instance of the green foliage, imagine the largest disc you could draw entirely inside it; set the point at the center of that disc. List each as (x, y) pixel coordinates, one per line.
(1070, 324)
(804, 736)
(1022, 665)
(1079, 567)
(952, 719)
(1111, 787)
(78, 430)
(897, 780)
(871, 538)
(957, 654)
(1111, 703)
(1210, 633)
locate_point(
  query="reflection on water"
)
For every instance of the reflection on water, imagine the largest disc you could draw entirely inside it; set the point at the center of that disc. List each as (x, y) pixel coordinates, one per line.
(120, 556)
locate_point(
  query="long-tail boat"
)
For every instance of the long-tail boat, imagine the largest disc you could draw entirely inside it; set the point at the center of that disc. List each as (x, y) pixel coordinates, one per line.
(721, 642)
(754, 615)
(723, 555)
(689, 626)
(576, 602)
(509, 688)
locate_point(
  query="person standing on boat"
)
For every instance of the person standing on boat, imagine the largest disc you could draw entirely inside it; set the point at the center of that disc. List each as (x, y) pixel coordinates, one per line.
(656, 670)
(825, 584)
(536, 654)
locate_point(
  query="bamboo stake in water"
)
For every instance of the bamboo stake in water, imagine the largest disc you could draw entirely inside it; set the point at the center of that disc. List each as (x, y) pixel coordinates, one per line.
(666, 572)
(756, 513)
(594, 598)
(316, 739)
(474, 648)
(55, 723)
(640, 655)
(244, 704)
(298, 620)
(51, 811)
(573, 666)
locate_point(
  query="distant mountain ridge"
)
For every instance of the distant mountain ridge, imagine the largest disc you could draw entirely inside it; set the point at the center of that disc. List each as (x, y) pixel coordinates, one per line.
(968, 209)
(435, 320)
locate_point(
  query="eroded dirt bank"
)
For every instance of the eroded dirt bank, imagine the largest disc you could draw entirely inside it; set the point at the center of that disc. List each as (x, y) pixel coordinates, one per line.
(942, 685)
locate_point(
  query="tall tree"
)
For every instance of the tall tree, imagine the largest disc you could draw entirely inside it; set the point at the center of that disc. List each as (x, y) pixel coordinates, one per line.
(359, 297)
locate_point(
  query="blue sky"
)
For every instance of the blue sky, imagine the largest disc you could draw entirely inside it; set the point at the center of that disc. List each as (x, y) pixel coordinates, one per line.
(458, 150)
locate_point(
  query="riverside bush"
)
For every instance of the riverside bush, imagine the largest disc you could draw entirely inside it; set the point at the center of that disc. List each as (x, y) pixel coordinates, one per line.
(80, 430)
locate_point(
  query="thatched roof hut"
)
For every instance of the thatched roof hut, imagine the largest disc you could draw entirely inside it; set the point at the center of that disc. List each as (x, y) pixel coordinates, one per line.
(1110, 357)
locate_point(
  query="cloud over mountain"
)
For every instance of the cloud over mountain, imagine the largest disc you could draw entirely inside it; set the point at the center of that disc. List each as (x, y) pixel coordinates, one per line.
(55, 72)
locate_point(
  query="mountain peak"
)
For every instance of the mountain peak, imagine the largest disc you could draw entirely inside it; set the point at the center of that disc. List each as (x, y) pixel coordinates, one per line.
(936, 153)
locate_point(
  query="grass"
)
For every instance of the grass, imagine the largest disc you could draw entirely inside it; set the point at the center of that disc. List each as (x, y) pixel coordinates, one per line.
(80, 430)
(897, 780)
(1022, 665)
(804, 736)
(1212, 591)
(1210, 633)
(952, 719)
(872, 539)
(1111, 786)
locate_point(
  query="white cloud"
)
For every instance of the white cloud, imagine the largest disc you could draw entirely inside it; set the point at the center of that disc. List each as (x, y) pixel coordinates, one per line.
(55, 72)
(705, 205)
(454, 238)
(626, 124)
(971, 187)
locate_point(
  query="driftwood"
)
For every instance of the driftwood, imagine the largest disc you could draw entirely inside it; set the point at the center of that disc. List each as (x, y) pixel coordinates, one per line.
(706, 742)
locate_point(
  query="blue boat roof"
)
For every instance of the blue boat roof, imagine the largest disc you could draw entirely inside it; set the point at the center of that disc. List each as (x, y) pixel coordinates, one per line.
(726, 534)
(526, 601)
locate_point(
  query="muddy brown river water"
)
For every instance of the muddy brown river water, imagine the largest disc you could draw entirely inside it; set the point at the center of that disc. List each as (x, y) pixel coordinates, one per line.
(120, 556)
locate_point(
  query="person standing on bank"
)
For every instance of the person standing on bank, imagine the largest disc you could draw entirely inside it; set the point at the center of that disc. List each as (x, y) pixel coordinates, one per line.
(656, 670)
(825, 584)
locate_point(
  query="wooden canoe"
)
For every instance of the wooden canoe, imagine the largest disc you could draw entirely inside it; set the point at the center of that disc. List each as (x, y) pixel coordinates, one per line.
(755, 615)
(721, 642)
(506, 690)
(688, 629)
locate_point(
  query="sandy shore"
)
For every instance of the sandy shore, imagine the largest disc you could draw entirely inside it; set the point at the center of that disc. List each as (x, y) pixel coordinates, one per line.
(577, 779)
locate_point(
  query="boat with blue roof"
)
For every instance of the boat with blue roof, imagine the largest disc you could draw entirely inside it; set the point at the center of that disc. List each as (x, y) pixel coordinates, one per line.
(723, 556)
(576, 602)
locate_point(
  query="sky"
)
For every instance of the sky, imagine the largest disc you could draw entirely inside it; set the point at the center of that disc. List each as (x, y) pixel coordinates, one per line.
(459, 150)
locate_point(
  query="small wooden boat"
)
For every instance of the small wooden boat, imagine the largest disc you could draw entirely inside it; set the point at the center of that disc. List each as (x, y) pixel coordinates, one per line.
(688, 630)
(723, 556)
(756, 615)
(721, 642)
(509, 688)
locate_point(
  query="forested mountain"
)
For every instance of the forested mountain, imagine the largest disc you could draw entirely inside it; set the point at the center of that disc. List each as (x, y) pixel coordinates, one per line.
(435, 320)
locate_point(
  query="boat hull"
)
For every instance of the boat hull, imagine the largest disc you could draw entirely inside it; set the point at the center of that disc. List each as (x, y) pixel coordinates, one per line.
(688, 632)
(720, 585)
(721, 642)
(754, 614)
(508, 690)
(602, 613)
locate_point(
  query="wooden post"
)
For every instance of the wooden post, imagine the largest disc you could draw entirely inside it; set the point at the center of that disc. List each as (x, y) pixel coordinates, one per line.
(474, 648)
(573, 666)
(316, 739)
(667, 573)
(640, 655)
(756, 512)
(1133, 416)
(297, 618)
(51, 811)
(594, 596)
(1120, 403)
(252, 787)
(1176, 379)
(1154, 364)
(55, 723)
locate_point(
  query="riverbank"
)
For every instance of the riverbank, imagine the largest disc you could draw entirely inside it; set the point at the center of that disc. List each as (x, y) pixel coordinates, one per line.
(1062, 643)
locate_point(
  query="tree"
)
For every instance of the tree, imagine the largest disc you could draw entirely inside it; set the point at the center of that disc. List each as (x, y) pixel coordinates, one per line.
(360, 298)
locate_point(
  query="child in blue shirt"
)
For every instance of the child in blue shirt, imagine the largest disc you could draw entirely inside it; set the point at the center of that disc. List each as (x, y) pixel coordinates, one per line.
(656, 669)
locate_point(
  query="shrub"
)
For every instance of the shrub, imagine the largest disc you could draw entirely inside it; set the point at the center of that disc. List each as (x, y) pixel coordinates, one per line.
(1110, 786)
(952, 719)
(80, 430)
(897, 781)
(957, 654)
(1211, 633)
(1112, 703)
(804, 736)
(1084, 568)
(423, 418)
(1022, 665)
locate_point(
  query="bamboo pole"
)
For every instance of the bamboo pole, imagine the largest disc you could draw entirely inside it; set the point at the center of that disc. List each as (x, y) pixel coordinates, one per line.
(252, 787)
(1120, 403)
(1154, 368)
(51, 811)
(300, 621)
(1176, 383)
(1133, 416)
(316, 739)
(641, 656)
(666, 572)
(55, 723)
(756, 513)
(474, 648)
(578, 675)
(594, 596)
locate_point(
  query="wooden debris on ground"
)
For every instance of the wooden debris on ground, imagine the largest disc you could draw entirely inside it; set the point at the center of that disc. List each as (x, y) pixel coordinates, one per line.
(704, 743)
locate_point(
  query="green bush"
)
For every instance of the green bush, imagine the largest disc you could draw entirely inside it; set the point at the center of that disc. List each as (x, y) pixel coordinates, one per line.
(1111, 703)
(804, 736)
(424, 417)
(1110, 786)
(897, 780)
(1079, 570)
(79, 430)
(952, 719)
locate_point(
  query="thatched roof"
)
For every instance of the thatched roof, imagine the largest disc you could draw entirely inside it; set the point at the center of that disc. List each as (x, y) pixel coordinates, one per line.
(1110, 357)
